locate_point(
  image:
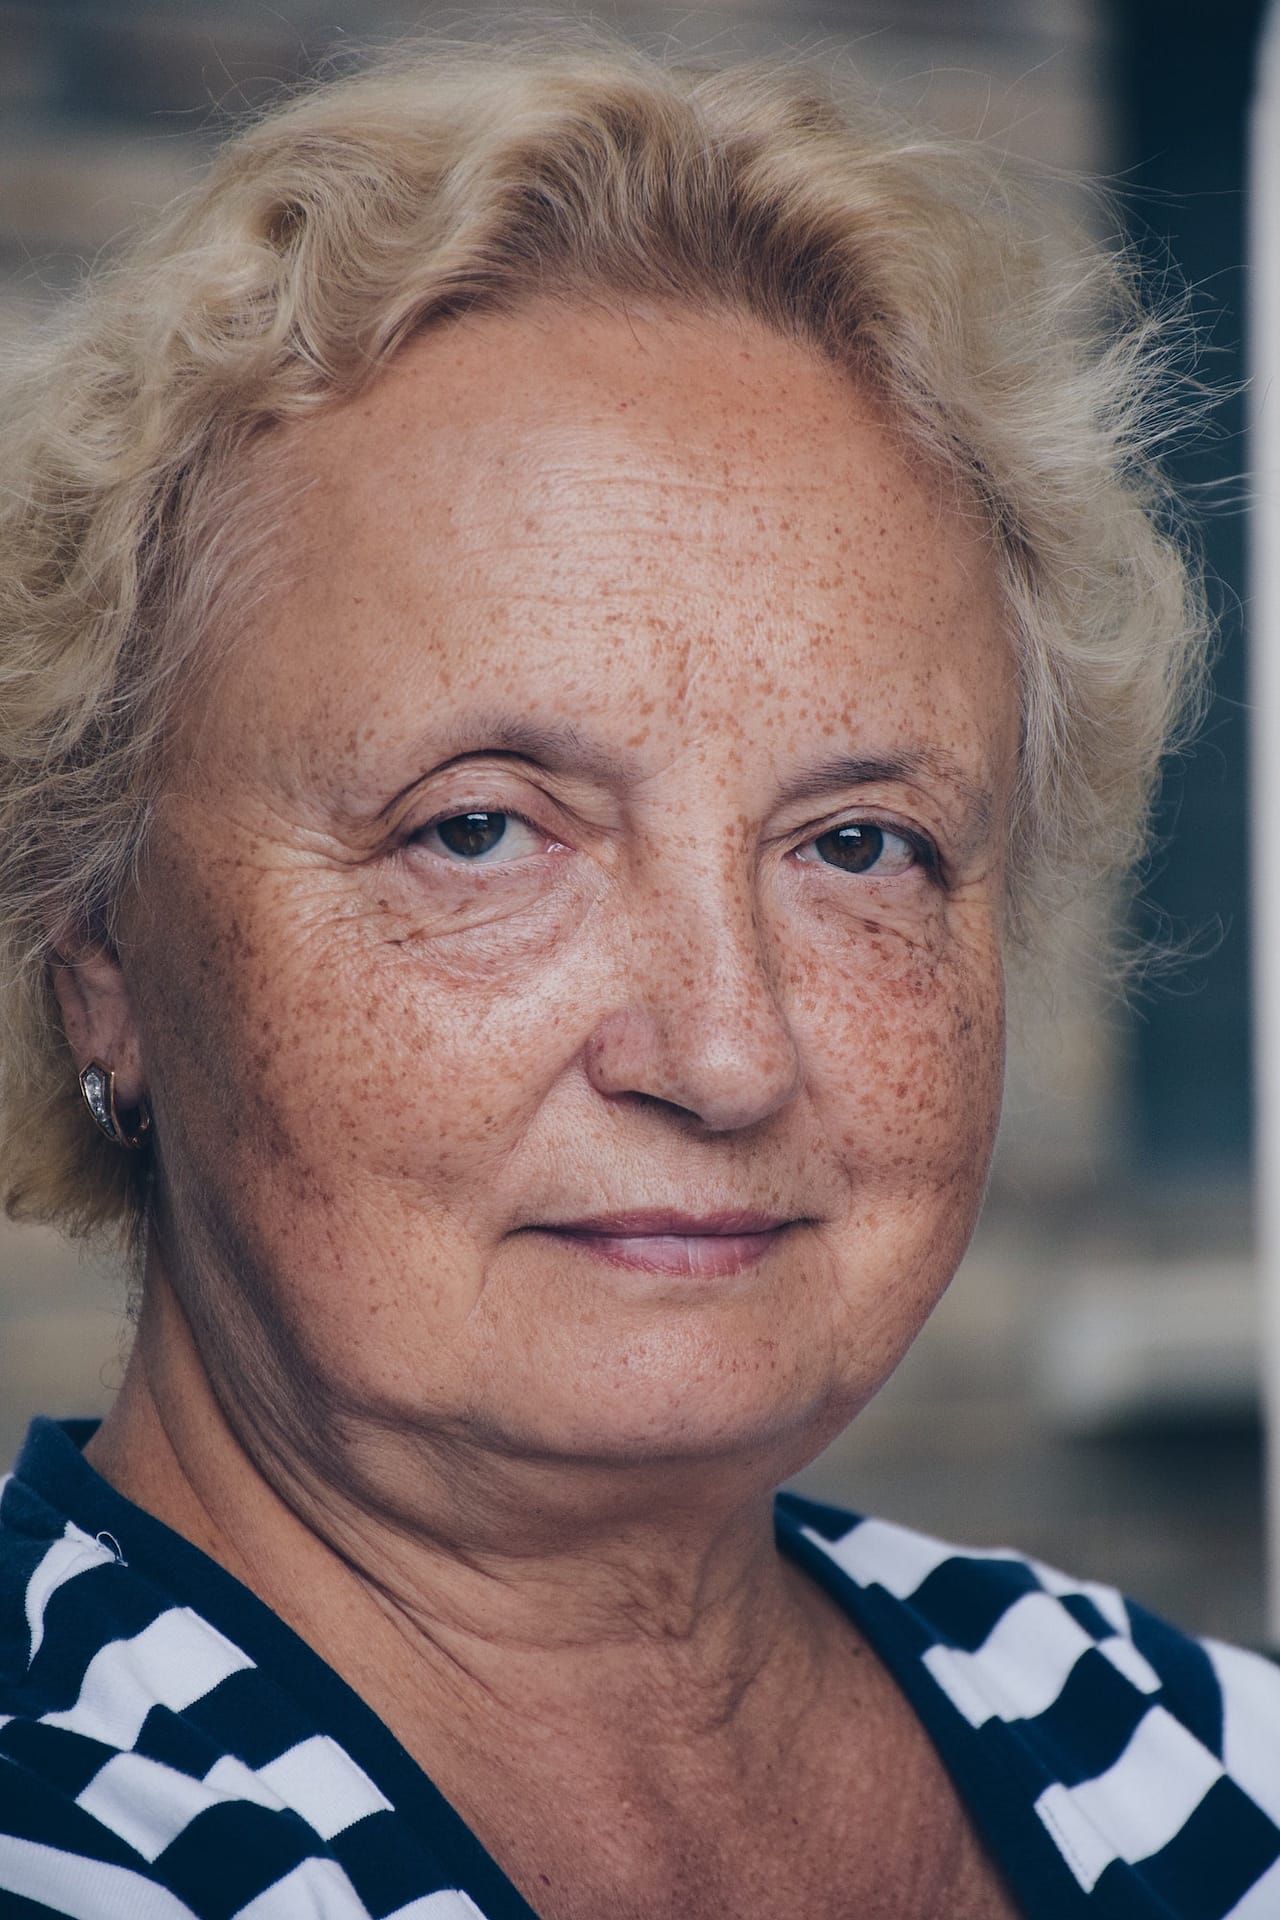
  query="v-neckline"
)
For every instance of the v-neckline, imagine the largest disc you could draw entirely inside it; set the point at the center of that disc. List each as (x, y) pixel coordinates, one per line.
(54, 1465)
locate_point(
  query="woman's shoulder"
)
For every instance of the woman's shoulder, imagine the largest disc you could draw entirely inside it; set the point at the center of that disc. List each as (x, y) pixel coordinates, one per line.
(1070, 1713)
(167, 1748)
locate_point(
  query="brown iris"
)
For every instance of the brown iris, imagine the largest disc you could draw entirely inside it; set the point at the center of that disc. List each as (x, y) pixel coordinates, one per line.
(472, 834)
(854, 848)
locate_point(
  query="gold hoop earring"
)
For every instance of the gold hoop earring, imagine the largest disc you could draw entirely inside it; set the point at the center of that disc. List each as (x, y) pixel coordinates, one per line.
(98, 1085)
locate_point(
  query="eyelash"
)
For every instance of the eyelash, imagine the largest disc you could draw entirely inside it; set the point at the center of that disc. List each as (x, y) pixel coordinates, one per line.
(926, 855)
(420, 834)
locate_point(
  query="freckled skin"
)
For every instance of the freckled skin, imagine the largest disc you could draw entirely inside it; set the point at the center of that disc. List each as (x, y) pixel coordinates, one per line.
(667, 1012)
(375, 1071)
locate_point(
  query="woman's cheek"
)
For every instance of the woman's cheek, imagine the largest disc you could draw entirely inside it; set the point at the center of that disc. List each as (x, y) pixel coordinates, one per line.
(954, 1097)
(433, 1066)
(912, 1058)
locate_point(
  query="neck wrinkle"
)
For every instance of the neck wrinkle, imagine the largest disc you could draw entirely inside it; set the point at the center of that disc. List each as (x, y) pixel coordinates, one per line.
(664, 1639)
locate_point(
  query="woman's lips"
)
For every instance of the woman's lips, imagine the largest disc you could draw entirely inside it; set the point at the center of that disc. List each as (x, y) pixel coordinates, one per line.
(711, 1246)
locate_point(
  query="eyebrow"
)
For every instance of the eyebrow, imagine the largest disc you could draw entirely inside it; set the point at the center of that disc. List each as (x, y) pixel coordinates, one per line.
(907, 766)
(557, 745)
(561, 747)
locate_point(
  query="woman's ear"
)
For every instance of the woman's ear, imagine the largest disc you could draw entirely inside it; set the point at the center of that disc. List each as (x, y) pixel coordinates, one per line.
(97, 1013)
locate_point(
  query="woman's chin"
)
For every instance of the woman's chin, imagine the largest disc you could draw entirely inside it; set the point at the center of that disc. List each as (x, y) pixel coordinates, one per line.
(739, 1415)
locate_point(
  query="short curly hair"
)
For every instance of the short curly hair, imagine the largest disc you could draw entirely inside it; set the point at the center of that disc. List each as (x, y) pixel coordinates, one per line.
(444, 179)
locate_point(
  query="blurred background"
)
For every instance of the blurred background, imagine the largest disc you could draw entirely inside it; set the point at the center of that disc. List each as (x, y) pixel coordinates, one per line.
(1089, 1389)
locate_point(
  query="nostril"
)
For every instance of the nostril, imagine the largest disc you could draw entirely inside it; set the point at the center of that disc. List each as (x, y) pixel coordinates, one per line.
(653, 1102)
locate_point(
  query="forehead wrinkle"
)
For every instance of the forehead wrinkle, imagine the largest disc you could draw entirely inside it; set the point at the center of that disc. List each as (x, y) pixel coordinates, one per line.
(642, 465)
(629, 489)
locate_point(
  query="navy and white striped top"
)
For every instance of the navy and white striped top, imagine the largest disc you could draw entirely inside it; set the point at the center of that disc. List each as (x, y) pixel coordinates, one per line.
(170, 1749)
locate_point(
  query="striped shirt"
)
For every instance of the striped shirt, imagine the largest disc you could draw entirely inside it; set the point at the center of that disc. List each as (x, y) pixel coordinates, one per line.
(170, 1749)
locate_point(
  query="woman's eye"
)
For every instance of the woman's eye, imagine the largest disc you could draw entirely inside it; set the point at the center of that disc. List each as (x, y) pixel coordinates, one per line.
(862, 847)
(482, 838)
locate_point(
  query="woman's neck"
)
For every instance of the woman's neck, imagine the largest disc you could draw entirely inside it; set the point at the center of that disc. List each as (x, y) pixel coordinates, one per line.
(606, 1629)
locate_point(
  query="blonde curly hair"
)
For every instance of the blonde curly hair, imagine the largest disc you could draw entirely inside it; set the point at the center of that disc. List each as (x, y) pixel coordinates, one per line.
(442, 180)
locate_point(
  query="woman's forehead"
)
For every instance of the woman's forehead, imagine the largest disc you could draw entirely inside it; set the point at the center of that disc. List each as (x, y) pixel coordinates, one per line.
(673, 512)
(679, 412)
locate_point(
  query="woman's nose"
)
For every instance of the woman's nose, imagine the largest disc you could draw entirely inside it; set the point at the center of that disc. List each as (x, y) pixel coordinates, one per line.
(699, 1023)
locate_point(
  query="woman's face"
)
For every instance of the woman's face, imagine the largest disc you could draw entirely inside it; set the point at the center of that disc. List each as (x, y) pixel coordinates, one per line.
(568, 972)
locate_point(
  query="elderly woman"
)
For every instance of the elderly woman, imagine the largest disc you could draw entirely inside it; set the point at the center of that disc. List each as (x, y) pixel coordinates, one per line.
(559, 618)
